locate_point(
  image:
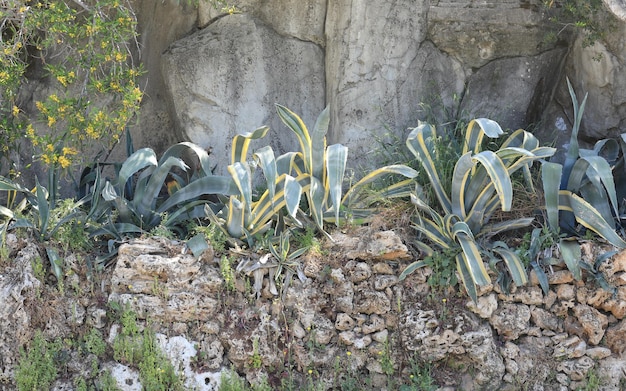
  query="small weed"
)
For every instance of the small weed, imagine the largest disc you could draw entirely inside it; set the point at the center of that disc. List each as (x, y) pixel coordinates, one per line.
(106, 382)
(228, 274)
(231, 381)
(385, 359)
(214, 235)
(256, 361)
(94, 343)
(139, 349)
(158, 289)
(37, 369)
(420, 377)
(593, 381)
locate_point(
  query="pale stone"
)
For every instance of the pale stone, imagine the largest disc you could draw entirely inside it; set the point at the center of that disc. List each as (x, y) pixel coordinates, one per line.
(556, 278)
(362, 342)
(372, 302)
(347, 338)
(576, 369)
(511, 320)
(381, 336)
(344, 322)
(565, 292)
(385, 281)
(485, 306)
(616, 337)
(593, 322)
(382, 268)
(545, 319)
(361, 272)
(572, 347)
(376, 323)
(598, 353)
(378, 246)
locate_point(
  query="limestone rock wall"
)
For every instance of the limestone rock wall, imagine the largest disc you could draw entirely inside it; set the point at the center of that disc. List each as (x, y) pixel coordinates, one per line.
(212, 74)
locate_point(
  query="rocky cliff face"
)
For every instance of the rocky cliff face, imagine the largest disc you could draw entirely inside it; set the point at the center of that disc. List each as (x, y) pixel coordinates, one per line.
(212, 75)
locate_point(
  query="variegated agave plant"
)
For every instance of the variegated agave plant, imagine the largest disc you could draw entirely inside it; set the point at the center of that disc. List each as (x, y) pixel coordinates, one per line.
(481, 185)
(316, 172)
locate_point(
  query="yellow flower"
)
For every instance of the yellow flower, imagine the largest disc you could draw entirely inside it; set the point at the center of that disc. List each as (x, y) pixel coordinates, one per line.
(348, 353)
(4, 76)
(50, 148)
(51, 121)
(64, 162)
(15, 111)
(69, 151)
(119, 57)
(54, 98)
(63, 80)
(91, 132)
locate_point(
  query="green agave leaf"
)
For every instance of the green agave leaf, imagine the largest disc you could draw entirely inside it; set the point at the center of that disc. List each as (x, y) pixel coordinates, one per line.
(336, 159)
(411, 268)
(434, 232)
(235, 220)
(522, 139)
(316, 197)
(191, 154)
(197, 245)
(466, 278)
(295, 123)
(508, 225)
(600, 171)
(573, 151)
(399, 169)
(241, 143)
(290, 163)
(148, 200)
(6, 212)
(265, 158)
(240, 171)
(460, 178)
(265, 209)
(43, 208)
(318, 143)
(214, 184)
(514, 264)
(589, 217)
(474, 135)
(570, 251)
(499, 177)
(542, 277)
(551, 177)
(292, 195)
(139, 160)
(471, 254)
(420, 143)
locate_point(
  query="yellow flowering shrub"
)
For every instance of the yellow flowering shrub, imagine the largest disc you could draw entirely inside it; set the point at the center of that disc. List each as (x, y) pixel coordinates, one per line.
(86, 52)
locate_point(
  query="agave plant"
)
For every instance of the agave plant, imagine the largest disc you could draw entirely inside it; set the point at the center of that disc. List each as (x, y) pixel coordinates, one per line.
(149, 192)
(316, 171)
(480, 186)
(321, 169)
(582, 191)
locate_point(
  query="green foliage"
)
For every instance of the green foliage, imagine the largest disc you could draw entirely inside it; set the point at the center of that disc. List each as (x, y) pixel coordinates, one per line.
(231, 381)
(316, 171)
(228, 273)
(581, 192)
(37, 369)
(587, 16)
(480, 186)
(140, 349)
(85, 51)
(94, 343)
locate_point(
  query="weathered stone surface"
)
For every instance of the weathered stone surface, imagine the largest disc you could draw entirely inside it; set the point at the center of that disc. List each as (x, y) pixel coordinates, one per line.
(372, 302)
(485, 306)
(511, 320)
(576, 369)
(226, 78)
(592, 321)
(154, 277)
(616, 337)
(379, 246)
(545, 319)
